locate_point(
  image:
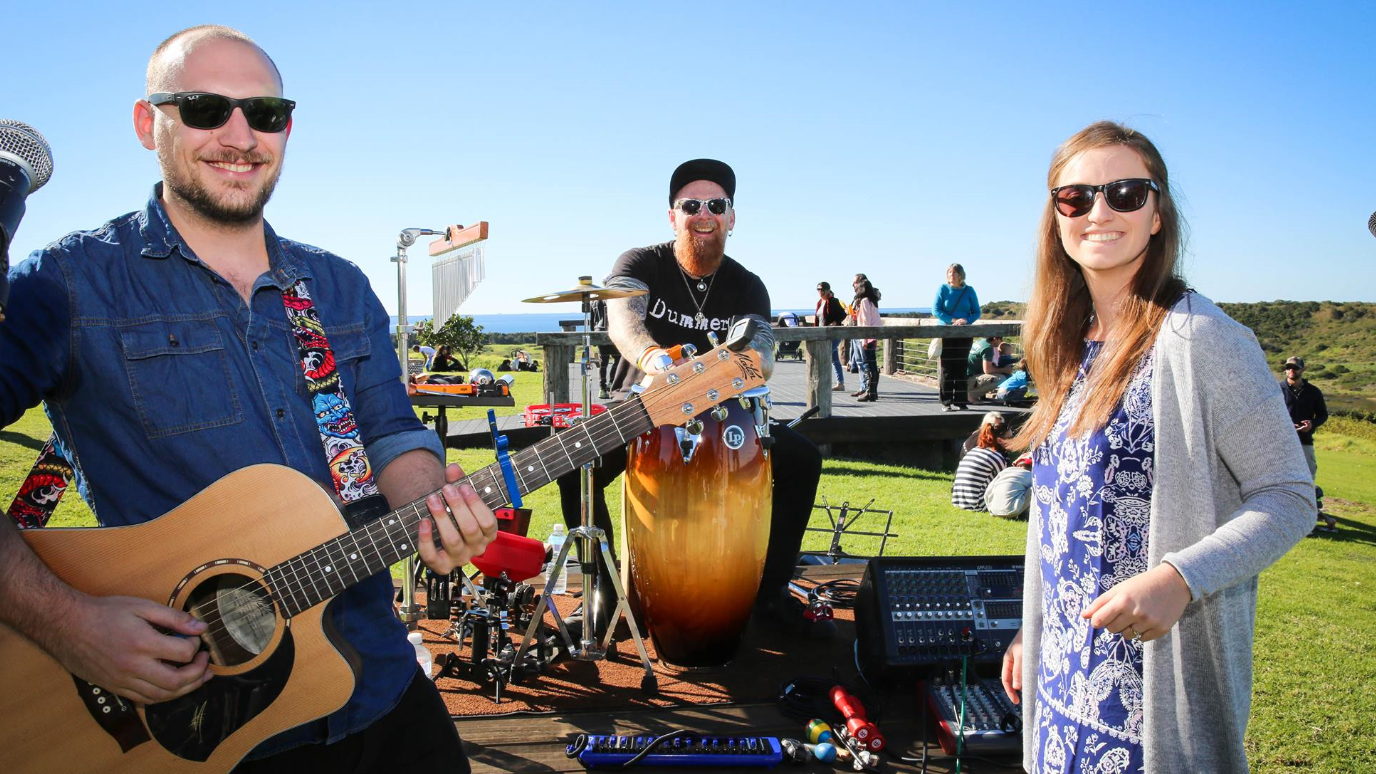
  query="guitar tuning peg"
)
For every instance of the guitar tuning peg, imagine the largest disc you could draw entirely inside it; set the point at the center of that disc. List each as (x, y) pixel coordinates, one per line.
(719, 413)
(689, 351)
(713, 339)
(693, 426)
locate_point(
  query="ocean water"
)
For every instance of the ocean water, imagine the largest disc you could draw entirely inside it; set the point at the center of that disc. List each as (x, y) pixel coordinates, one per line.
(548, 322)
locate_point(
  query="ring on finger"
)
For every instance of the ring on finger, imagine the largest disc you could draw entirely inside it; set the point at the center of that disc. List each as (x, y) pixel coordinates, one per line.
(1136, 635)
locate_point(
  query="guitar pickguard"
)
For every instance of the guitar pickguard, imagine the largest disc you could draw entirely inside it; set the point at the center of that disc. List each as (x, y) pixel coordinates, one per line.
(192, 726)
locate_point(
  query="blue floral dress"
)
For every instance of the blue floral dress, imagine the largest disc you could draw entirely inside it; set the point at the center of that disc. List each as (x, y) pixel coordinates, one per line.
(1093, 504)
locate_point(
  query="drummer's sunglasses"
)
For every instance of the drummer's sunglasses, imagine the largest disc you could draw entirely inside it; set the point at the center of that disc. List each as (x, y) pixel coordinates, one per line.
(203, 110)
(1128, 195)
(694, 206)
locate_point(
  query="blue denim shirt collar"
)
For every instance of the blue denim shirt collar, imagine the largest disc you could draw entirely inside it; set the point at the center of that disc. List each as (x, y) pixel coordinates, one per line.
(161, 239)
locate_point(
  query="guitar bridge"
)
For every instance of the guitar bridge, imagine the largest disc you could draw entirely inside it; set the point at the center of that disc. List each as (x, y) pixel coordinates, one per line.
(114, 714)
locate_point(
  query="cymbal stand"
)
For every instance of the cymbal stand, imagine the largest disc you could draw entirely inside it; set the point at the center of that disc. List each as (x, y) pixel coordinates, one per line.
(593, 548)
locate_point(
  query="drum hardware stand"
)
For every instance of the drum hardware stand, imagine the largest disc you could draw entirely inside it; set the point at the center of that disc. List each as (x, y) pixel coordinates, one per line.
(591, 538)
(485, 622)
(843, 523)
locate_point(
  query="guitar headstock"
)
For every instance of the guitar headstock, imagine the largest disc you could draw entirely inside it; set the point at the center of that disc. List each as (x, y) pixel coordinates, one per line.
(701, 382)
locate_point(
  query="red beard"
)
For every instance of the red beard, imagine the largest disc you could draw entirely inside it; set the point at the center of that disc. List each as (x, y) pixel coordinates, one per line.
(700, 254)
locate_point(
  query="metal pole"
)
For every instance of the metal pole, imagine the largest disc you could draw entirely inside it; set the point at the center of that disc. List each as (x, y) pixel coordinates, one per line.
(403, 329)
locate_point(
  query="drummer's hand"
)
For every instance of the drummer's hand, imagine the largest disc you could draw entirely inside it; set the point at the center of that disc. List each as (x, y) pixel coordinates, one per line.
(651, 361)
(465, 523)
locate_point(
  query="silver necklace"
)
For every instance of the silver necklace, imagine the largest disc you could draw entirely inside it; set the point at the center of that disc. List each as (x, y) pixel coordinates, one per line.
(704, 286)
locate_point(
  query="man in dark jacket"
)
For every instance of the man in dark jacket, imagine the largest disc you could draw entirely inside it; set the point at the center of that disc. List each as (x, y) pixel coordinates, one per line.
(1307, 411)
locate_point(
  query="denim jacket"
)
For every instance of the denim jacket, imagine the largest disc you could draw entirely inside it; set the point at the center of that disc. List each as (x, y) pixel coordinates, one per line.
(161, 380)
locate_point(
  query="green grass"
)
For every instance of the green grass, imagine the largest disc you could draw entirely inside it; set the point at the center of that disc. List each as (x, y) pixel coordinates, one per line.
(1316, 623)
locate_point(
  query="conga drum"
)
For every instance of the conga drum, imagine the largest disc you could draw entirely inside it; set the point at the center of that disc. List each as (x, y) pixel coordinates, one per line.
(696, 512)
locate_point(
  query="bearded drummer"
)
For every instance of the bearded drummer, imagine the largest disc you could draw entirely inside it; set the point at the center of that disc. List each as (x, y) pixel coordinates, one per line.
(695, 288)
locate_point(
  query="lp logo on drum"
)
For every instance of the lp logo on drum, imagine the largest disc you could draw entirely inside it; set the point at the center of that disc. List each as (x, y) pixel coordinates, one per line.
(734, 436)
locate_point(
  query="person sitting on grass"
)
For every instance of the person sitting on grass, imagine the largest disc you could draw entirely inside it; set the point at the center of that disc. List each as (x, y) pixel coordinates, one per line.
(445, 360)
(981, 464)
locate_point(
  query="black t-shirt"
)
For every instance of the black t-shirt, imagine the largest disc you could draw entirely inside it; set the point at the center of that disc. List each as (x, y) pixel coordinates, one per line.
(673, 303)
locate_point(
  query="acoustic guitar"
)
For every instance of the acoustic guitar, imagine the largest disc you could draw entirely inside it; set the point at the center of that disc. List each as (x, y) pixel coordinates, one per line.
(258, 555)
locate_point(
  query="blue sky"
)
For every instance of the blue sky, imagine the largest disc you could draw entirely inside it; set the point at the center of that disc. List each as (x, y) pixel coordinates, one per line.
(888, 138)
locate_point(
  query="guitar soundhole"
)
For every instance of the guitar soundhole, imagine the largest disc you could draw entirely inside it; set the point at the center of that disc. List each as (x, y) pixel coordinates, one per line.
(239, 614)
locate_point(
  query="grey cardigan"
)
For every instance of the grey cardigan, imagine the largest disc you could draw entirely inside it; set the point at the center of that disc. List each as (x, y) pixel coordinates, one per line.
(1232, 495)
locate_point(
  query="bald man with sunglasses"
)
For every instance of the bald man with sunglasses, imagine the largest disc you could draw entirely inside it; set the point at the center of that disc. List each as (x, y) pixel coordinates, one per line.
(187, 340)
(695, 288)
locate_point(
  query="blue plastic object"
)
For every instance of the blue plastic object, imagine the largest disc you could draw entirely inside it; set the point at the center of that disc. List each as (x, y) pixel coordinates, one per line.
(499, 442)
(699, 751)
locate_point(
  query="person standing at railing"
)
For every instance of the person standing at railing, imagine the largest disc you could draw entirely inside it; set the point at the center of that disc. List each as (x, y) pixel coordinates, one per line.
(866, 306)
(955, 304)
(830, 312)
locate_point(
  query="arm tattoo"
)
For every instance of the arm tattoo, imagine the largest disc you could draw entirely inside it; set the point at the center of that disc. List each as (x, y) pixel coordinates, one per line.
(626, 319)
(763, 343)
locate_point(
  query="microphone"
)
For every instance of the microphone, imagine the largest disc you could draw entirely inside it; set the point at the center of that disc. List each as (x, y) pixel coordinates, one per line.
(1371, 224)
(26, 163)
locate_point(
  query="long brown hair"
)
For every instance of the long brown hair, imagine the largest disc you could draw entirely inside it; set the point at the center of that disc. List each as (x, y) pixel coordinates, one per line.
(1060, 306)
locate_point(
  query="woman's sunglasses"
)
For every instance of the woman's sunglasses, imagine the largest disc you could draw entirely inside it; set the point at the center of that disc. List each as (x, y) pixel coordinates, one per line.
(203, 110)
(1128, 195)
(692, 207)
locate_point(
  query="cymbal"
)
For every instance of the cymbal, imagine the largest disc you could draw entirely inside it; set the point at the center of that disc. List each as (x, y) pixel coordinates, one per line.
(585, 290)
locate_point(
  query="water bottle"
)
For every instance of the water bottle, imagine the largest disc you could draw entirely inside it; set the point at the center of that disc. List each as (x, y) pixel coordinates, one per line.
(423, 656)
(556, 544)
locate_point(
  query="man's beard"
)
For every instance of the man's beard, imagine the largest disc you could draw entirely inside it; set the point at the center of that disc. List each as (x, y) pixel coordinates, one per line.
(700, 254)
(221, 211)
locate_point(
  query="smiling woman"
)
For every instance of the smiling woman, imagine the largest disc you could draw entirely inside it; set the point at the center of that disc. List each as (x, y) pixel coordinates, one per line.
(1161, 494)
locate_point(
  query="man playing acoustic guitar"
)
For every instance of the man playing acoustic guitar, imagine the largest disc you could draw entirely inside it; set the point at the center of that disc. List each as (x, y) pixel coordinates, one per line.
(185, 341)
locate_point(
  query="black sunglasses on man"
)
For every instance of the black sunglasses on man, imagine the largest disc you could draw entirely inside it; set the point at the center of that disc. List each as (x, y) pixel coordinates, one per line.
(204, 110)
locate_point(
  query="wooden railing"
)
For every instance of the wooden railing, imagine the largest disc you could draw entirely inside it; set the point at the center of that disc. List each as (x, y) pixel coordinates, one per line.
(896, 354)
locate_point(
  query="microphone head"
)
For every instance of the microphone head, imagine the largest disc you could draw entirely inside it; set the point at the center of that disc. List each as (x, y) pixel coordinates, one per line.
(23, 145)
(1371, 224)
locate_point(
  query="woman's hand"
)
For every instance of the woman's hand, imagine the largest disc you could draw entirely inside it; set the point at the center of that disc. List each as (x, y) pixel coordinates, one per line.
(1012, 669)
(1141, 608)
(961, 321)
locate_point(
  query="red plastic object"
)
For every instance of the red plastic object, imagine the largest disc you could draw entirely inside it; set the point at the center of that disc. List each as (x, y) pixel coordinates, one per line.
(513, 520)
(860, 728)
(558, 415)
(519, 557)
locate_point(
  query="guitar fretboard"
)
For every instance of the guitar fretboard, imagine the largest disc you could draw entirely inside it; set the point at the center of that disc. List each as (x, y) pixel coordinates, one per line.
(309, 578)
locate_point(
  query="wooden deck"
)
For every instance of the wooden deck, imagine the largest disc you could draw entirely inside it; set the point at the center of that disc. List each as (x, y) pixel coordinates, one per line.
(906, 411)
(536, 742)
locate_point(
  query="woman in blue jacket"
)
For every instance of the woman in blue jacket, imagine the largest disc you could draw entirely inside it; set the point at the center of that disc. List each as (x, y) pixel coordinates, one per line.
(956, 304)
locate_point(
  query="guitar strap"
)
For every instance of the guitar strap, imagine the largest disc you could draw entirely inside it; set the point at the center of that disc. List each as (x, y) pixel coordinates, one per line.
(350, 471)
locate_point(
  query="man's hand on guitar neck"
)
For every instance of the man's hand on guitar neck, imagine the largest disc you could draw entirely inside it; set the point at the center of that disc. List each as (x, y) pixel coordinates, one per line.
(111, 642)
(464, 522)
